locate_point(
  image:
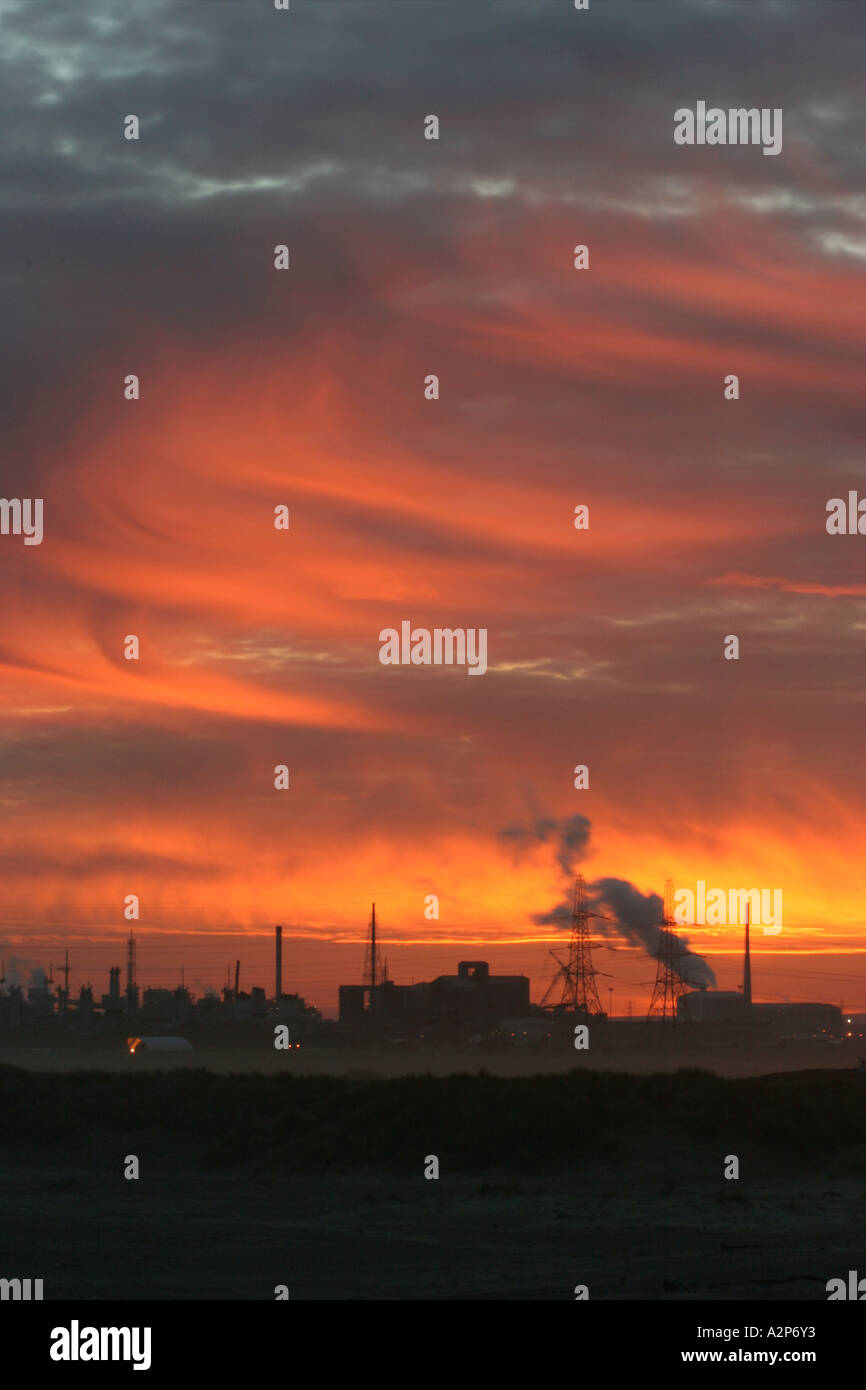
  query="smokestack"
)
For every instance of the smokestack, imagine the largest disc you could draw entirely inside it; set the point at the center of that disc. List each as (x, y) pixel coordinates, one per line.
(279, 984)
(373, 961)
(747, 968)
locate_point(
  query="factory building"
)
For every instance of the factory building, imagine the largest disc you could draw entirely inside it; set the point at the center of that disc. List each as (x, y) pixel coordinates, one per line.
(112, 1005)
(156, 1006)
(711, 1006)
(728, 1007)
(473, 998)
(801, 1020)
(736, 1008)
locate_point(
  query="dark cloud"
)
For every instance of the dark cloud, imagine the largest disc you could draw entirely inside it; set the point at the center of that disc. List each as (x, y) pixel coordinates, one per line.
(254, 121)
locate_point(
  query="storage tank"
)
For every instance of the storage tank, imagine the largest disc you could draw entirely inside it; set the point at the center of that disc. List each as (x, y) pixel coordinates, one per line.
(158, 1045)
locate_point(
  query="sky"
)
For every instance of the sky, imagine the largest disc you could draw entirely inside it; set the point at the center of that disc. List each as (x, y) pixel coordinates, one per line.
(304, 388)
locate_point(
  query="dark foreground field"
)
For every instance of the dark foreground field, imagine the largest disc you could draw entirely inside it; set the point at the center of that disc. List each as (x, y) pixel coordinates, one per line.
(598, 1178)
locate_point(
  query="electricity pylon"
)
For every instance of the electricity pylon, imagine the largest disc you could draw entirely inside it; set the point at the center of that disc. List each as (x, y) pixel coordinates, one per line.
(577, 975)
(669, 983)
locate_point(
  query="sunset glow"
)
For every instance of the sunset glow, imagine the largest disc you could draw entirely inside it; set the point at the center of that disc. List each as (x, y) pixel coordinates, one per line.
(259, 647)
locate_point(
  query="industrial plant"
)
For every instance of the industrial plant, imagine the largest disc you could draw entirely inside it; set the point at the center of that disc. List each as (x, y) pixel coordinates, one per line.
(472, 1005)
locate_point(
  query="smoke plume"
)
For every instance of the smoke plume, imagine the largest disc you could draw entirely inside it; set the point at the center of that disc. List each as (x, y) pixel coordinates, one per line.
(571, 835)
(623, 910)
(18, 968)
(639, 917)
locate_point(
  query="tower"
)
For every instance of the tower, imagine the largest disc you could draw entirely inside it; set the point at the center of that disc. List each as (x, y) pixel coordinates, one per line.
(579, 989)
(278, 986)
(747, 967)
(669, 983)
(580, 993)
(374, 974)
(373, 960)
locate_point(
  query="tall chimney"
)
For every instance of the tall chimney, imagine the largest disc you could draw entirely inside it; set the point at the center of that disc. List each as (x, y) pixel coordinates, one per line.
(373, 961)
(747, 968)
(279, 986)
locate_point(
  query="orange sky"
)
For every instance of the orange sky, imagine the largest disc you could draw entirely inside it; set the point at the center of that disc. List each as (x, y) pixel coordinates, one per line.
(260, 647)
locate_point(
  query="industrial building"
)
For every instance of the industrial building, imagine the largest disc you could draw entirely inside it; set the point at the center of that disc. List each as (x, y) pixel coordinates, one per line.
(472, 1003)
(736, 1009)
(729, 1007)
(473, 998)
(160, 1009)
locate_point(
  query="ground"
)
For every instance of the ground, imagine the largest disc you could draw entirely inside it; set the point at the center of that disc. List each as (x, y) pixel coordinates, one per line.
(609, 1179)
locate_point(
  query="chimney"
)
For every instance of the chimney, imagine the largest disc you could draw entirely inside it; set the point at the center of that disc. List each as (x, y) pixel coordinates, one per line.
(279, 984)
(747, 969)
(373, 961)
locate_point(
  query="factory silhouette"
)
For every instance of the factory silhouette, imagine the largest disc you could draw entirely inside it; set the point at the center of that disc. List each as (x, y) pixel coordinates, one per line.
(472, 1006)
